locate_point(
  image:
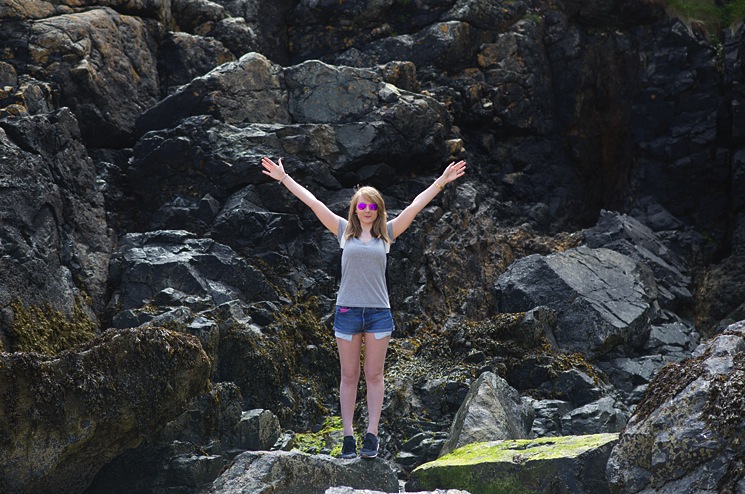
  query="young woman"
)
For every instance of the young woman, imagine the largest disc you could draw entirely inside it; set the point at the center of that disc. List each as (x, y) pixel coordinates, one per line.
(363, 311)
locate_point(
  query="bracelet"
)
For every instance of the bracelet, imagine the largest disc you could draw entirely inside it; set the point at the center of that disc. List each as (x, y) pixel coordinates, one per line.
(439, 186)
(283, 178)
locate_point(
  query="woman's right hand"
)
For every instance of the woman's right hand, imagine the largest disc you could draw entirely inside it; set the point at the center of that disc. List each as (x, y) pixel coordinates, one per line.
(274, 170)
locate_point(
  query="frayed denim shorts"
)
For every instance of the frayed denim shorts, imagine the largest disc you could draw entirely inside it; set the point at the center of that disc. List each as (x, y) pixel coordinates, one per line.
(349, 321)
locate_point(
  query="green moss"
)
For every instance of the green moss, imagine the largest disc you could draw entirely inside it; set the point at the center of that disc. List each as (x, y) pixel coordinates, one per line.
(514, 466)
(328, 438)
(710, 15)
(525, 450)
(48, 331)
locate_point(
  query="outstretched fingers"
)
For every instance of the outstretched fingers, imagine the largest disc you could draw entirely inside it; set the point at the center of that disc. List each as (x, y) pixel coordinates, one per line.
(274, 170)
(455, 170)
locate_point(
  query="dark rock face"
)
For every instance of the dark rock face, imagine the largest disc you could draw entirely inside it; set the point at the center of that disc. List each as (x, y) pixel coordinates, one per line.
(604, 201)
(64, 418)
(54, 243)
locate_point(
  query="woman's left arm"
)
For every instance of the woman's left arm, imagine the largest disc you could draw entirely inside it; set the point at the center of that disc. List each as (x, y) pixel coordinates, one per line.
(401, 222)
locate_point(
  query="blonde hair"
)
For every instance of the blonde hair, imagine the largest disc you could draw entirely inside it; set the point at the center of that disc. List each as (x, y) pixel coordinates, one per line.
(380, 225)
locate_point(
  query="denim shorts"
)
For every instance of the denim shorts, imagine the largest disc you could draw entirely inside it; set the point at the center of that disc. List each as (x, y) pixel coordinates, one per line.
(349, 321)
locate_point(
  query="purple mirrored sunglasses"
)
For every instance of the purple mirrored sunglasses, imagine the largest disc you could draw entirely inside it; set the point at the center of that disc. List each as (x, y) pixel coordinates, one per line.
(362, 205)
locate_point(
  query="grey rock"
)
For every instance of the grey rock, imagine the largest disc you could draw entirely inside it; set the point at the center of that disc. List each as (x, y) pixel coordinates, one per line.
(257, 430)
(602, 298)
(96, 73)
(687, 432)
(492, 410)
(575, 386)
(248, 89)
(266, 472)
(628, 236)
(548, 413)
(194, 470)
(54, 242)
(602, 416)
(151, 262)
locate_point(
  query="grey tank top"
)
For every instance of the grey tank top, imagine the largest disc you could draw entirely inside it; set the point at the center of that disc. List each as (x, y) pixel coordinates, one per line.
(363, 271)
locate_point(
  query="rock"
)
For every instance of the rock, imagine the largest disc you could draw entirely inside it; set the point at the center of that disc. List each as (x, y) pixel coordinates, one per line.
(265, 472)
(186, 452)
(64, 418)
(628, 236)
(257, 430)
(602, 298)
(154, 261)
(567, 464)
(107, 76)
(548, 413)
(686, 435)
(491, 411)
(183, 57)
(54, 243)
(351, 490)
(194, 470)
(602, 416)
(575, 386)
(246, 90)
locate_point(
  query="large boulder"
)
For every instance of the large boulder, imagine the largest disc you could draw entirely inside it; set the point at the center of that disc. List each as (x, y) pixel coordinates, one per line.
(557, 465)
(602, 298)
(491, 411)
(62, 419)
(265, 472)
(686, 436)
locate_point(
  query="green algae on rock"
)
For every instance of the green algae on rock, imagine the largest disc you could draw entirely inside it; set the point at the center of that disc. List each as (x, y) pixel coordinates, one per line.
(565, 464)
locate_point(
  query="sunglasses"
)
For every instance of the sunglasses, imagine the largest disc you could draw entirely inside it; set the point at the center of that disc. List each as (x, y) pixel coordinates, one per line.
(362, 205)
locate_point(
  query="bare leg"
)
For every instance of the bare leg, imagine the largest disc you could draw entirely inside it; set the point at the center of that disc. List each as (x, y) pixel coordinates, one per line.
(349, 358)
(375, 351)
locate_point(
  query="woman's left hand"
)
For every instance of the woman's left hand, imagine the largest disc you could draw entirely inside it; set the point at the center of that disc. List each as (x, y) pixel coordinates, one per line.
(453, 171)
(274, 170)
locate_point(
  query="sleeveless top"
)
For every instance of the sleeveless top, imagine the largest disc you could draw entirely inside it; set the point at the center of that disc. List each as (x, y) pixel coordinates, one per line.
(363, 271)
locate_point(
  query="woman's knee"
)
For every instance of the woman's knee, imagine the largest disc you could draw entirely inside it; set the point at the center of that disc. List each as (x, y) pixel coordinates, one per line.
(350, 375)
(374, 373)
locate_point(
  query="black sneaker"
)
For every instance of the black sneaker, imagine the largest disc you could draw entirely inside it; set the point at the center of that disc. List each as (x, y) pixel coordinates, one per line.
(369, 446)
(349, 448)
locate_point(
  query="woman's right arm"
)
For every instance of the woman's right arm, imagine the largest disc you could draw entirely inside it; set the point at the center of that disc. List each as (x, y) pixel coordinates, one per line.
(275, 170)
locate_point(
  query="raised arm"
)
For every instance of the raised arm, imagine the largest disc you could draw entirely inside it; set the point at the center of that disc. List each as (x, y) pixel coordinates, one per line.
(277, 171)
(403, 221)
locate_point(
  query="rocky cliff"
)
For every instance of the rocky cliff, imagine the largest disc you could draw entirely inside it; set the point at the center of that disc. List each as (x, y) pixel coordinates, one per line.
(596, 239)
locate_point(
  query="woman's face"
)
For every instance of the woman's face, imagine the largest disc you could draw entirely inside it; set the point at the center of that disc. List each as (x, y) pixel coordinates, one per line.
(366, 210)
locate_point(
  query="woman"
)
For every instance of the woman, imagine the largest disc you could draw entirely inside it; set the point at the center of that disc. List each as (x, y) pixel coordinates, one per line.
(362, 307)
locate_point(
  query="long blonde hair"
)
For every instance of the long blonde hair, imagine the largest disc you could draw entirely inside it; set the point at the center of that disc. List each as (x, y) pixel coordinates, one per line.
(379, 228)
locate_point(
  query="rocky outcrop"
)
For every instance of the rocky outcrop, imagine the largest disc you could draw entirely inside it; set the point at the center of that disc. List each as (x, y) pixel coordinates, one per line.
(64, 418)
(686, 436)
(569, 464)
(266, 472)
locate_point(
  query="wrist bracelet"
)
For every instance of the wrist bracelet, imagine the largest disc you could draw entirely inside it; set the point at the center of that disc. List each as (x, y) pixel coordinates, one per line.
(283, 178)
(439, 186)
